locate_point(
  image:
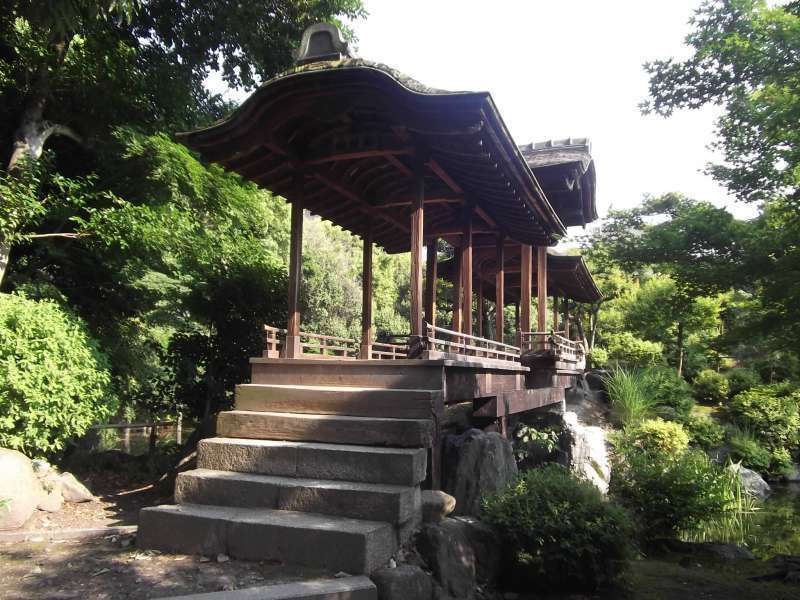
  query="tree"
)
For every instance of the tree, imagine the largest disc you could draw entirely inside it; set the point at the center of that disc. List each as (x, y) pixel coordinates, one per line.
(148, 62)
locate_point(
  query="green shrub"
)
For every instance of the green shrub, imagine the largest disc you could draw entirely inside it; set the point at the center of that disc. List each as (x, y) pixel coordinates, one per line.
(770, 412)
(670, 392)
(629, 401)
(669, 494)
(54, 381)
(740, 380)
(710, 387)
(560, 532)
(598, 357)
(705, 432)
(627, 350)
(746, 448)
(653, 435)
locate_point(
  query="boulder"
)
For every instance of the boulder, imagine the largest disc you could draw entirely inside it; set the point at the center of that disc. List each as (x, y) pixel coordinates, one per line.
(404, 582)
(51, 498)
(447, 552)
(477, 464)
(436, 505)
(587, 450)
(486, 546)
(752, 482)
(73, 490)
(19, 489)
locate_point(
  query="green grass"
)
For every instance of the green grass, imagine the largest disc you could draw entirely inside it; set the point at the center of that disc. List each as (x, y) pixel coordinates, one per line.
(629, 401)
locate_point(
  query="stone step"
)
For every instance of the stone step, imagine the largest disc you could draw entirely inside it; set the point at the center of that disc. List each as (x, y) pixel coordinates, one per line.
(374, 502)
(335, 429)
(341, 462)
(339, 400)
(411, 374)
(305, 539)
(357, 587)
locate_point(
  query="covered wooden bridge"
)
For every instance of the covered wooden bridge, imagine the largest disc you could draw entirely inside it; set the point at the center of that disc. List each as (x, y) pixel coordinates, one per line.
(322, 460)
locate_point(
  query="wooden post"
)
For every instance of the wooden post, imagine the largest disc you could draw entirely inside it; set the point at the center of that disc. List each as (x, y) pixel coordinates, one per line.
(499, 283)
(525, 291)
(417, 221)
(292, 346)
(479, 316)
(430, 281)
(456, 325)
(366, 296)
(541, 287)
(555, 312)
(466, 266)
(566, 319)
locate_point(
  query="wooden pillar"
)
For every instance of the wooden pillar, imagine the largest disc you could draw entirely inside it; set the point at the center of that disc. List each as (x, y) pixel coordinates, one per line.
(541, 287)
(417, 220)
(516, 317)
(499, 283)
(456, 325)
(292, 346)
(430, 281)
(566, 319)
(366, 296)
(525, 290)
(466, 267)
(555, 312)
(479, 316)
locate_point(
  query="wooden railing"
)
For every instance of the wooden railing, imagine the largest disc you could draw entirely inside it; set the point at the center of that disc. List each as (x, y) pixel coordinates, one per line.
(315, 345)
(381, 350)
(327, 346)
(454, 342)
(561, 347)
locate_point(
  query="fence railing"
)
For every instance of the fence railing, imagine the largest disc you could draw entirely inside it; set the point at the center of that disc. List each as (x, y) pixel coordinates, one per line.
(385, 351)
(315, 345)
(454, 342)
(554, 342)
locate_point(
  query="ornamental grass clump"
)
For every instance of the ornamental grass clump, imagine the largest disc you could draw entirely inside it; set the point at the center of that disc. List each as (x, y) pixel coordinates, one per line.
(560, 532)
(627, 391)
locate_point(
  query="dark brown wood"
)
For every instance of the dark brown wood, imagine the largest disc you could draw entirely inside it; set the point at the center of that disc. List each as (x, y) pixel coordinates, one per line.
(430, 281)
(526, 282)
(541, 288)
(499, 290)
(417, 224)
(555, 313)
(566, 319)
(466, 266)
(434, 166)
(457, 289)
(479, 314)
(292, 347)
(366, 295)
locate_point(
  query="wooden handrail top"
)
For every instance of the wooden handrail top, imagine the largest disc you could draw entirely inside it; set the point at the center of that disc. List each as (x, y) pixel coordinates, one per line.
(331, 348)
(434, 328)
(332, 338)
(464, 346)
(387, 345)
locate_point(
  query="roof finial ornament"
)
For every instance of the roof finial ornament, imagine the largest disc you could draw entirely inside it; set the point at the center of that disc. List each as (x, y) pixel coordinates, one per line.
(321, 42)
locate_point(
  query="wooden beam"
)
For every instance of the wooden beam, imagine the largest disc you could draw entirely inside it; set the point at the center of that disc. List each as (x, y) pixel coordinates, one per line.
(456, 324)
(541, 288)
(321, 158)
(366, 295)
(399, 165)
(525, 285)
(345, 190)
(434, 166)
(499, 284)
(417, 223)
(292, 346)
(437, 199)
(466, 266)
(479, 315)
(430, 281)
(454, 230)
(555, 312)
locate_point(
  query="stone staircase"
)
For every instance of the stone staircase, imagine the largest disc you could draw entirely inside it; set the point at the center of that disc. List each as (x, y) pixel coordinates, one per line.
(325, 476)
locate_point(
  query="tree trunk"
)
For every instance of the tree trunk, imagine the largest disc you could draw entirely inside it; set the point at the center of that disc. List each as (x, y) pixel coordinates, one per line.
(680, 348)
